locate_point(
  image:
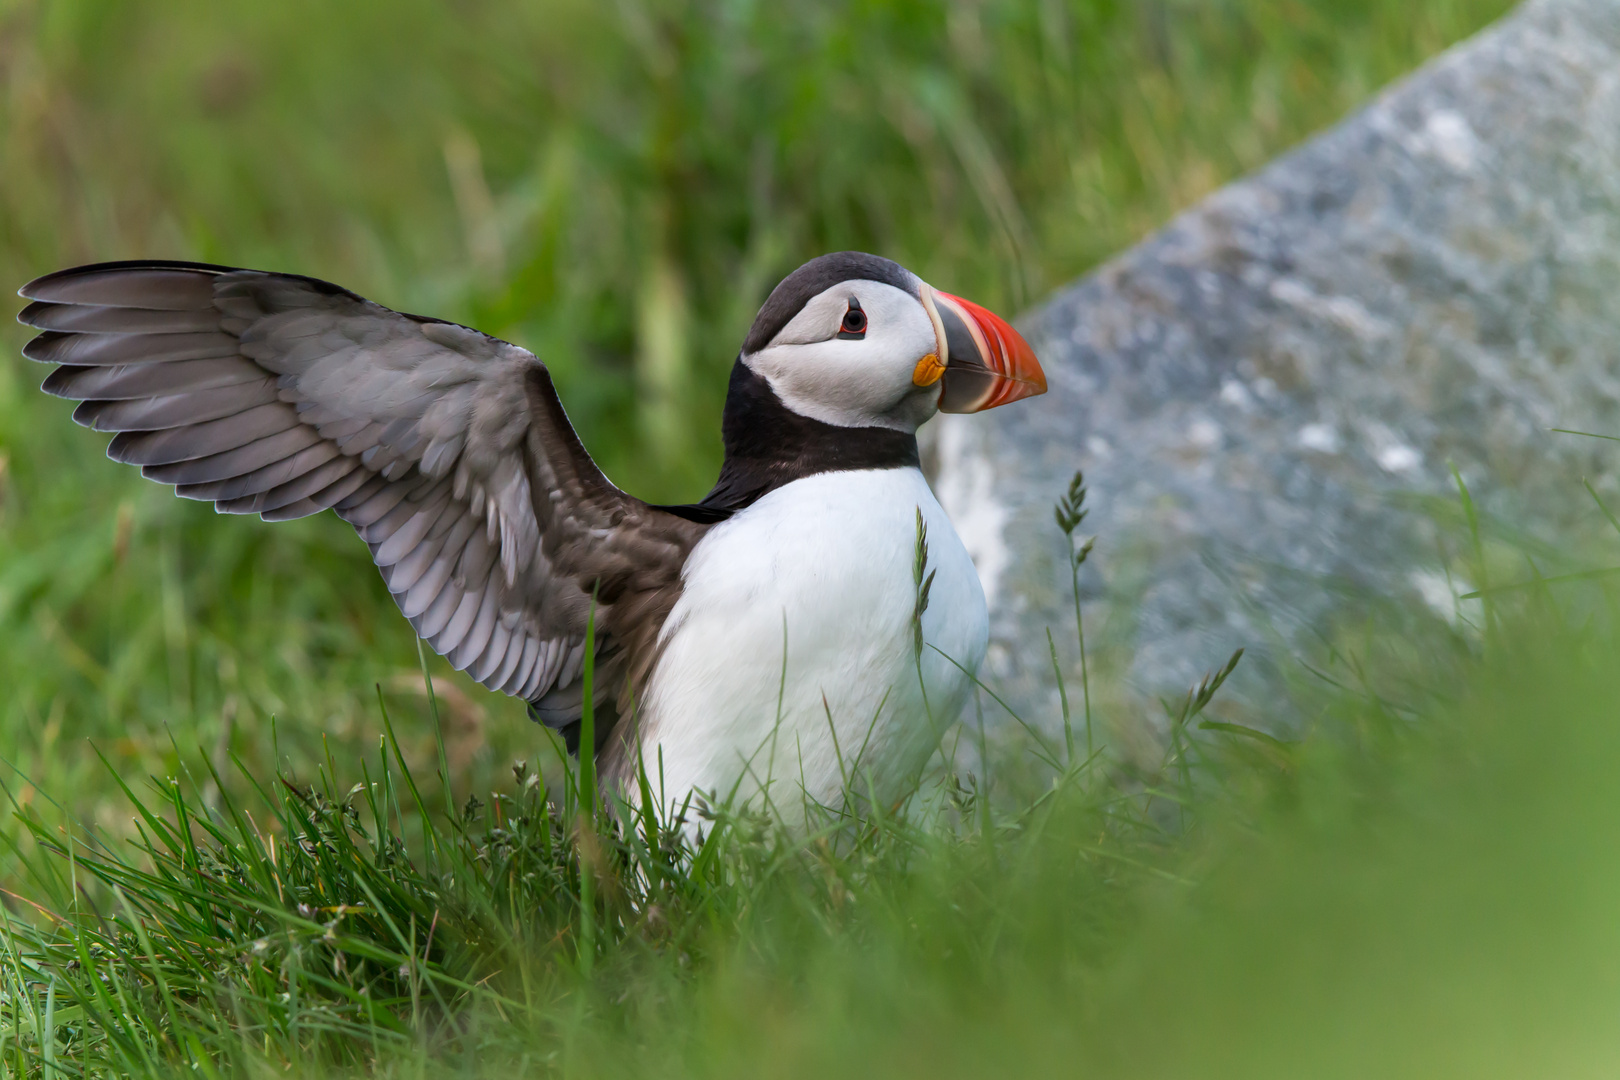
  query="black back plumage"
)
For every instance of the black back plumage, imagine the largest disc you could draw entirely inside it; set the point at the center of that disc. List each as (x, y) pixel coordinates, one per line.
(769, 445)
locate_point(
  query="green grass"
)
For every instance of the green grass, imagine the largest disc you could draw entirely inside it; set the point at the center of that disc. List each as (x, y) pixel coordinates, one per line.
(1422, 885)
(616, 186)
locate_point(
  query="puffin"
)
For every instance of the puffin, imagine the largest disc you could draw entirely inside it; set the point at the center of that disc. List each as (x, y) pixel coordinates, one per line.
(772, 643)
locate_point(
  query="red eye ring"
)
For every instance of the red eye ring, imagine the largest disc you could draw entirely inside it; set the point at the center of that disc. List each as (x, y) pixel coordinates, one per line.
(854, 323)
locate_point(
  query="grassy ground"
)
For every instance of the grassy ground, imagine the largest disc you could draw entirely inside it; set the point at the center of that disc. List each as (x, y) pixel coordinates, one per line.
(616, 186)
(1424, 885)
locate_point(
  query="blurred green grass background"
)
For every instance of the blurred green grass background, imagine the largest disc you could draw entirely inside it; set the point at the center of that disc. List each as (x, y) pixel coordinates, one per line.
(615, 185)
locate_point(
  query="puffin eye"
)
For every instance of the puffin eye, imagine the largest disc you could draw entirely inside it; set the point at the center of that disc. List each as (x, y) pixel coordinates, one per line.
(854, 324)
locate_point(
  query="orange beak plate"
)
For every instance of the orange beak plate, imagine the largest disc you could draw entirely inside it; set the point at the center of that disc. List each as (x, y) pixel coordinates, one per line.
(988, 363)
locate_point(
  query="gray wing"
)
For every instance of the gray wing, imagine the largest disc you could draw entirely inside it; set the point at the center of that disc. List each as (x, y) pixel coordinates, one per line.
(284, 396)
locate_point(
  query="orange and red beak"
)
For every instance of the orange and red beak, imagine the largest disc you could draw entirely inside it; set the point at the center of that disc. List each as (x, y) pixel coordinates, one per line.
(987, 363)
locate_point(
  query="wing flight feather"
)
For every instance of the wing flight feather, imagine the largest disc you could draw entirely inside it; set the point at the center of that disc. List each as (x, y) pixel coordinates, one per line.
(285, 396)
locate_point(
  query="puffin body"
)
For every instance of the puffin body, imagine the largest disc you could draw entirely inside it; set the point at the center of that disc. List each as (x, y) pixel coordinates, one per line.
(760, 644)
(788, 662)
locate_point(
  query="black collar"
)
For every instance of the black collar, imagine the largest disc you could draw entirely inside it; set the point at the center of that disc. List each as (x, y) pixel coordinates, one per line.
(769, 445)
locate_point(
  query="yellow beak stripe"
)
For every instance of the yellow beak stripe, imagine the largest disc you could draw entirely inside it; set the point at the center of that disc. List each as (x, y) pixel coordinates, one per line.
(928, 370)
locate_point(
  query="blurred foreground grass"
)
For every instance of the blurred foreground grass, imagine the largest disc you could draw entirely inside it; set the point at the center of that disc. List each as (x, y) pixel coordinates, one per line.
(1424, 885)
(614, 185)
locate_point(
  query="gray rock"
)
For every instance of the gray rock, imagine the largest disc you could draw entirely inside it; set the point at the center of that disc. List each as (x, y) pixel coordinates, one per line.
(1267, 395)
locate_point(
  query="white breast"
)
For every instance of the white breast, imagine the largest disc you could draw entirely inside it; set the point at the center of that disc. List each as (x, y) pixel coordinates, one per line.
(788, 661)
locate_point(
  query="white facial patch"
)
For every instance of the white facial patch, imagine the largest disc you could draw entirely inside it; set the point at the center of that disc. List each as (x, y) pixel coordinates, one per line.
(853, 382)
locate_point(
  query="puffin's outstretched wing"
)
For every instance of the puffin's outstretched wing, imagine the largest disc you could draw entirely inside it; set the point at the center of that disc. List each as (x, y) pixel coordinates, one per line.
(445, 448)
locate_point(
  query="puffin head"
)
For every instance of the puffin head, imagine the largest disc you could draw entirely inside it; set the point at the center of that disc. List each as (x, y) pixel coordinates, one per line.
(854, 340)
